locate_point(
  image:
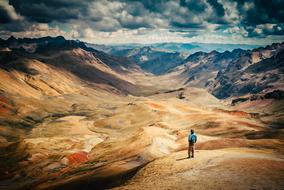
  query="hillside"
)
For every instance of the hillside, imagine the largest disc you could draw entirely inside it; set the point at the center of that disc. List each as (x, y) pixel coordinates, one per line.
(260, 70)
(236, 73)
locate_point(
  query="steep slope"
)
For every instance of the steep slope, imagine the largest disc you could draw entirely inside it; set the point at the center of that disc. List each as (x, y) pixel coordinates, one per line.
(256, 71)
(86, 63)
(236, 73)
(201, 68)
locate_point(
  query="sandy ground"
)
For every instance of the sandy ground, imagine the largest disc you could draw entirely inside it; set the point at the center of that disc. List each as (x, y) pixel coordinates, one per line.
(238, 168)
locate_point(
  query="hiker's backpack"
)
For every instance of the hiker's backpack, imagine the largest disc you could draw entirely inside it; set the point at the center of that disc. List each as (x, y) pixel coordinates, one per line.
(193, 138)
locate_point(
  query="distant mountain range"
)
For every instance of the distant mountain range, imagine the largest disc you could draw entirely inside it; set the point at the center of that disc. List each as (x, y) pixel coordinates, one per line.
(196, 47)
(225, 74)
(187, 48)
(150, 59)
(159, 58)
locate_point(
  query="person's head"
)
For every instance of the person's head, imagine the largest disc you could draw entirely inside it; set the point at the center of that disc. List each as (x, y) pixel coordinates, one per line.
(191, 131)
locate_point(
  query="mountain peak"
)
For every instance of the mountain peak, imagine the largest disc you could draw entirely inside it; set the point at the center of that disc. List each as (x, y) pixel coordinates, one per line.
(60, 38)
(214, 52)
(12, 38)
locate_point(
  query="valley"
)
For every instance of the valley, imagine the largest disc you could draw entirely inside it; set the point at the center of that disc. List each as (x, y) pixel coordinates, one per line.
(74, 117)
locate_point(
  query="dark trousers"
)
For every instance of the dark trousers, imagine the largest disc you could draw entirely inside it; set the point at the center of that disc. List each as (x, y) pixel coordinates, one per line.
(190, 149)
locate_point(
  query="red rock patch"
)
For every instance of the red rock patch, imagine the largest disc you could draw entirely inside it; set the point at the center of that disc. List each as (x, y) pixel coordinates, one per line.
(78, 158)
(5, 106)
(156, 106)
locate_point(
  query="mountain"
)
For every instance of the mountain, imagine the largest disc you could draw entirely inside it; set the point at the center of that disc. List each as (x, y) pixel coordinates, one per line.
(236, 73)
(207, 47)
(191, 48)
(256, 71)
(200, 68)
(40, 44)
(150, 59)
(159, 58)
(177, 47)
(113, 47)
(72, 56)
(185, 48)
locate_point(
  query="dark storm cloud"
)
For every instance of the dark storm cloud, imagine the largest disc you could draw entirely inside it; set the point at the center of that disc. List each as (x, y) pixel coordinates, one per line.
(261, 17)
(153, 6)
(49, 10)
(253, 16)
(220, 11)
(187, 25)
(15, 26)
(45, 11)
(261, 11)
(7, 13)
(4, 16)
(194, 6)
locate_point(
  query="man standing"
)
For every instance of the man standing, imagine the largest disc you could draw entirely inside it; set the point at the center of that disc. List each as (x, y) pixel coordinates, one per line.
(192, 139)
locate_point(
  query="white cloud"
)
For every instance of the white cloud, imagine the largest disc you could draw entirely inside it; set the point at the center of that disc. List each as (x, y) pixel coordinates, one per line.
(236, 30)
(232, 14)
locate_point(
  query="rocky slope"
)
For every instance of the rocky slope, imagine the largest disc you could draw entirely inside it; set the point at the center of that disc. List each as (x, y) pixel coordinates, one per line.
(257, 71)
(235, 73)
(200, 68)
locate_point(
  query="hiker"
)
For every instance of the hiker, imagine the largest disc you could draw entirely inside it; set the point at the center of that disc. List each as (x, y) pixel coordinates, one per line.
(192, 139)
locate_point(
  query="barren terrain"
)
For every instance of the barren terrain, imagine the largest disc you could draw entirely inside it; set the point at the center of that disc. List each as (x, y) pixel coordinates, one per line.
(60, 130)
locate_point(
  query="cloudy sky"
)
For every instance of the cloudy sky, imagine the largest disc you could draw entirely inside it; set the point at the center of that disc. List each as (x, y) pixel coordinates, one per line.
(146, 21)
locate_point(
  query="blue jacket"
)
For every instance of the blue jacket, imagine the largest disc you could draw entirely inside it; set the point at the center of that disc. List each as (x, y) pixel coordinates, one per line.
(192, 138)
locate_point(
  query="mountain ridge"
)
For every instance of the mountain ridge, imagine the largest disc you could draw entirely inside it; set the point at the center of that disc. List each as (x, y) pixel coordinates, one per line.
(216, 65)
